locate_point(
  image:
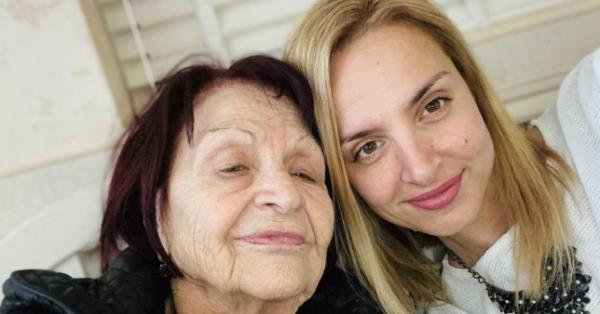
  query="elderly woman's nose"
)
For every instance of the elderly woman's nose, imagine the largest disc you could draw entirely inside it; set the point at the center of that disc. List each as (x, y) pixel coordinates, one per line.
(277, 191)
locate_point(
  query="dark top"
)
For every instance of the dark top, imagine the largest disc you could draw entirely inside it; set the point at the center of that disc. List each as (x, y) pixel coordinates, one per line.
(131, 286)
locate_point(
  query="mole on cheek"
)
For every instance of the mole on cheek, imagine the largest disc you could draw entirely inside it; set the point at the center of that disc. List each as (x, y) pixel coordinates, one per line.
(466, 141)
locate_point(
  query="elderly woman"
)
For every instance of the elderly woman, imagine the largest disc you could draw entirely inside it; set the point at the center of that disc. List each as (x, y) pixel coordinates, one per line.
(420, 152)
(219, 195)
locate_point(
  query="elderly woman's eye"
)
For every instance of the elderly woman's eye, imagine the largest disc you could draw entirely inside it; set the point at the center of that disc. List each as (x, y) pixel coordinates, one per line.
(304, 176)
(234, 169)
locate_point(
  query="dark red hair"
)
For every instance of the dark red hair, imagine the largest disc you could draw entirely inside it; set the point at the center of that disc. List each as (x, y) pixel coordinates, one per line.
(147, 148)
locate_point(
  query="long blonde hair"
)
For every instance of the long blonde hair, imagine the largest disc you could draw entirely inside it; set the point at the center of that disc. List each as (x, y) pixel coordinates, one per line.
(388, 259)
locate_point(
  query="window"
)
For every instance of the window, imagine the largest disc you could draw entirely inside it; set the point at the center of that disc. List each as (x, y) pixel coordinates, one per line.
(506, 36)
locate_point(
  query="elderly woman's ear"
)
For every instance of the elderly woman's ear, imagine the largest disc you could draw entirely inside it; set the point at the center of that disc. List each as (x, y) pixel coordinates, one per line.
(161, 219)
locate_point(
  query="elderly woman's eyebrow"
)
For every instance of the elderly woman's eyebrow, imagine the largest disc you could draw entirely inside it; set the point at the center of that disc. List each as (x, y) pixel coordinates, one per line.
(304, 145)
(203, 133)
(214, 130)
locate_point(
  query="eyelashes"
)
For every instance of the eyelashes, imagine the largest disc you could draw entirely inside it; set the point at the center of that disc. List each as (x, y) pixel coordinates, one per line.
(234, 169)
(304, 176)
(434, 107)
(365, 150)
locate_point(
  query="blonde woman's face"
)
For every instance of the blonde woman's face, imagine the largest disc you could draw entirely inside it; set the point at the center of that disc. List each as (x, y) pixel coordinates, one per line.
(414, 143)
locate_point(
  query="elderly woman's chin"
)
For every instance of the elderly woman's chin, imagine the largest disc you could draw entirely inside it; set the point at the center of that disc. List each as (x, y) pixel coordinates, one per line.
(282, 277)
(276, 280)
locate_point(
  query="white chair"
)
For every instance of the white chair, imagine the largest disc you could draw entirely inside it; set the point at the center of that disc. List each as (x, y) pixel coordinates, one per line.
(55, 237)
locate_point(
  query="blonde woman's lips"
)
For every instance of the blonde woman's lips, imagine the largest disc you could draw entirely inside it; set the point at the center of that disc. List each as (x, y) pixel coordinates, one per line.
(439, 197)
(274, 238)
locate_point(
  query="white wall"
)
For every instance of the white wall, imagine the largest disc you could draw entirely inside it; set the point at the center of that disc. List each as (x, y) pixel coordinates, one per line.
(57, 122)
(51, 84)
(526, 57)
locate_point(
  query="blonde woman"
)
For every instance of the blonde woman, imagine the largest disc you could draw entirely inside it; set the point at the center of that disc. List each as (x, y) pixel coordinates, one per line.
(421, 152)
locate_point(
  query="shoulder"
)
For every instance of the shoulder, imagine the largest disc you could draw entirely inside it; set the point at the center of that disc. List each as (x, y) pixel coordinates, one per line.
(579, 94)
(572, 125)
(43, 291)
(125, 287)
(339, 292)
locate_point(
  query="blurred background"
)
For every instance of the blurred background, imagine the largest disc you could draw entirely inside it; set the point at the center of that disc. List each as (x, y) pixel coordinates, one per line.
(73, 73)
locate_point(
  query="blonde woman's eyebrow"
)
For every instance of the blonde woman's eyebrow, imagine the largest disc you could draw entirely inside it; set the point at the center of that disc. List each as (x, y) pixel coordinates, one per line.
(423, 90)
(357, 135)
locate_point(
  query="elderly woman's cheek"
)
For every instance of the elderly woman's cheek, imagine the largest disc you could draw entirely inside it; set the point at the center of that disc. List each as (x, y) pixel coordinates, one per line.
(321, 215)
(324, 226)
(193, 246)
(199, 233)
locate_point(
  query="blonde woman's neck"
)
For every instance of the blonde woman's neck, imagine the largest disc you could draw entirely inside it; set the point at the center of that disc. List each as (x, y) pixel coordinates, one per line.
(493, 222)
(476, 238)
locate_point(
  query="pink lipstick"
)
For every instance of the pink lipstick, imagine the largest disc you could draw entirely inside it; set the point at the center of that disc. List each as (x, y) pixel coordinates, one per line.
(439, 197)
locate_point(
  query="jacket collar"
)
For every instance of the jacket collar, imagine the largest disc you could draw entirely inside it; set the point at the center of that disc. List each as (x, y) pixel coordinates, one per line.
(130, 285)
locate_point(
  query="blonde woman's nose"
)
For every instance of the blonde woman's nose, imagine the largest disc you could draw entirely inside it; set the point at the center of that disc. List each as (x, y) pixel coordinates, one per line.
(418, 162)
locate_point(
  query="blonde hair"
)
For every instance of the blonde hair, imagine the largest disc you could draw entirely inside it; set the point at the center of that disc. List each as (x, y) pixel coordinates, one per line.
(388, 259)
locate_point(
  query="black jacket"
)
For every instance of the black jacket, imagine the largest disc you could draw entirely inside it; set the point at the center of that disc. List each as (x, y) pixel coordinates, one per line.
(131, 286)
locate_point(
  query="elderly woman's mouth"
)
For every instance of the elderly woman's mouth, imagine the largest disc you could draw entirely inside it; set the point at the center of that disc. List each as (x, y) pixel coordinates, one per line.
(273, 238)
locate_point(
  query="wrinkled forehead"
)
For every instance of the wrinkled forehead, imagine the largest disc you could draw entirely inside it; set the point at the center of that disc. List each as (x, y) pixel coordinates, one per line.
(246, 106)
(232, 88)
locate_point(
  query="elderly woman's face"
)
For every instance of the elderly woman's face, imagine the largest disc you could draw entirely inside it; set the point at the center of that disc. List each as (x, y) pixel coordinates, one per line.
(247, 210)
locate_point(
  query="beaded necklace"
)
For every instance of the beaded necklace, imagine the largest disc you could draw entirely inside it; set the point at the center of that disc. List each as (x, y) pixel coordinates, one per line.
(557, 299)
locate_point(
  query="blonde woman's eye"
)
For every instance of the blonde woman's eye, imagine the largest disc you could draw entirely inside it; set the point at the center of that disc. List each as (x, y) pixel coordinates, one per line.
(435, 105)
(367, 149)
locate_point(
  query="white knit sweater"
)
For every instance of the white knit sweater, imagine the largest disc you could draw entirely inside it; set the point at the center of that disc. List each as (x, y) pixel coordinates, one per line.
(572, 128)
